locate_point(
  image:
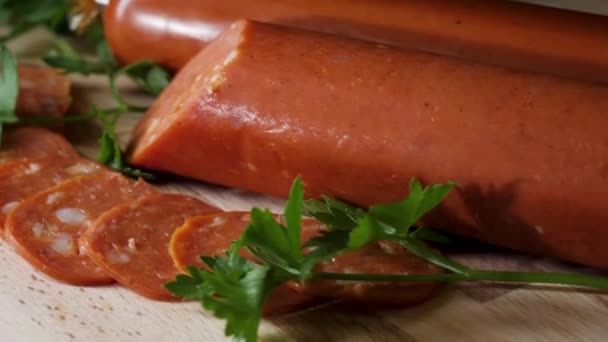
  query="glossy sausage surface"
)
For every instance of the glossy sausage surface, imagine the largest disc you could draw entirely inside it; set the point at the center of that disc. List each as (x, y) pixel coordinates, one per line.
(499, 32)
(264, 104)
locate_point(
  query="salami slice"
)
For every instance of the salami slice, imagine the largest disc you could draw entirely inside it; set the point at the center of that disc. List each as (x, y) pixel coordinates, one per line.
(213, 234)
(22, 143)
(131, 241)
(43, 91)
(378, 258)
(26, 178)
(45, 228)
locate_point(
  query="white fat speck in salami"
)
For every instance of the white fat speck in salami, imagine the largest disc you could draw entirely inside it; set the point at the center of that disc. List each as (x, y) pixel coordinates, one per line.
(53, 197)
(9, 206)
(62, 244)
(39, 230)
(20, 181)
(142, 230)
(54, 247)
(82, 168)
(32, 168)
(71, 216)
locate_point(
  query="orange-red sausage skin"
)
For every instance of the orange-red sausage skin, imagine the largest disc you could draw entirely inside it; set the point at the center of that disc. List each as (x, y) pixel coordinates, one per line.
(264, 104)
(507, 33)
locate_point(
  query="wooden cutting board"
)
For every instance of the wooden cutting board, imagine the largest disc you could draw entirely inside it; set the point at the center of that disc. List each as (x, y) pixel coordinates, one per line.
(34, 307)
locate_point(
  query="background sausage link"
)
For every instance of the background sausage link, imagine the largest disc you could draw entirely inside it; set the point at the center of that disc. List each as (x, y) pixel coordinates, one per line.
(501, 32)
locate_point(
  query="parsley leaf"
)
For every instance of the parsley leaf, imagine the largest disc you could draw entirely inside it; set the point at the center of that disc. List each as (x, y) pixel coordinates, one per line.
(402, 215)
(110, 152)
(25, 15)
(336, 215)
(272, 242)
(9, 87)
(234, 289)
(148, 75)
(64, 56)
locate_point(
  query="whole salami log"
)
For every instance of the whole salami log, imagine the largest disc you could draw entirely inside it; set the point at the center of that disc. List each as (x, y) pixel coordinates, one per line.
(131, 242)
(44, 228)
(263, 104)
(25, 143)
(43, 91)
(498, 32)
(212, 235)
(26, 178)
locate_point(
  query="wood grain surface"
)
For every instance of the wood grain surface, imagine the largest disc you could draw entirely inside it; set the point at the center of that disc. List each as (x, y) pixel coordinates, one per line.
(36, 308)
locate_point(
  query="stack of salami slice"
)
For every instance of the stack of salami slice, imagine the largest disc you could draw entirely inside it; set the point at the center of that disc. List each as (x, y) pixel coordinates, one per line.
(84, 224)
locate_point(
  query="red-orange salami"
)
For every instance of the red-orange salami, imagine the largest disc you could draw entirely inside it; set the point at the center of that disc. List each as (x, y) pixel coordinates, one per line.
(45, 228)
(378, 258)
(43, 91)
(28, 177)
(131, 242)
(213, 234)
(21, 143)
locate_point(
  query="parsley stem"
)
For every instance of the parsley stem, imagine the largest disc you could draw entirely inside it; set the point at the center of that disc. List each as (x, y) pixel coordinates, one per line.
(477, 275)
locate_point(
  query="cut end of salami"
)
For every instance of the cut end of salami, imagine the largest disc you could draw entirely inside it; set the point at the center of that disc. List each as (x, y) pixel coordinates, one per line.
(131, 241)
(45, 228)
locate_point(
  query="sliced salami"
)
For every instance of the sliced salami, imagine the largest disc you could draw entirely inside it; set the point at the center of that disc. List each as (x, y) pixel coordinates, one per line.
(26, 178)
(131, 242)
(213, 234)
(23, 143)
(45, 228)
(377, 258)
(43, 91)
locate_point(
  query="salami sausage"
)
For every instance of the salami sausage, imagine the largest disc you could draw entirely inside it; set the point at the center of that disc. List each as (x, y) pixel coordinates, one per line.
(499, 32)
(26, 178)
(212, 235)
(383, 257)
(131, 242)
(263, 104)
(43, 91)
(22, 143)
(44, 228)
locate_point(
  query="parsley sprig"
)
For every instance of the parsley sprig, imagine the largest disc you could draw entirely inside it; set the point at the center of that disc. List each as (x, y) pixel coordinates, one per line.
(235, 289)
(9, 88)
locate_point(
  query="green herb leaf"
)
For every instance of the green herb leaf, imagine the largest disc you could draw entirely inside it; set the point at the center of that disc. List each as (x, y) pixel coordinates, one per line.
(64, 56)
(272, 242)
(234, 289)
(336, 215)
(110, 152)
(9, 88)
(25, 15)
(425, 233)
(293, 218)
(323, 247)
(9, 83)
(149, 76)
(422, 250)
(402, 215)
